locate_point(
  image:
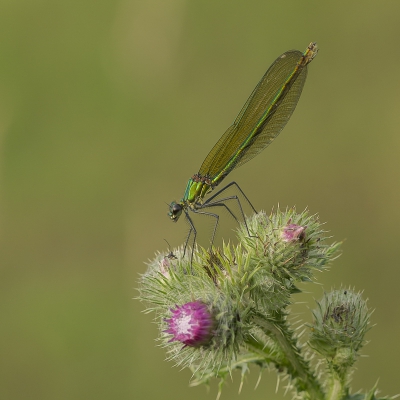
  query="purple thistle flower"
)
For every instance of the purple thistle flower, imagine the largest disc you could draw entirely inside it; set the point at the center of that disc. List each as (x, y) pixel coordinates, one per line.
(293, 232)
(191, 324)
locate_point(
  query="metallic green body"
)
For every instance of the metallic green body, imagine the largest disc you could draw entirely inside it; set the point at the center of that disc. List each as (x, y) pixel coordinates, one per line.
(195, 191)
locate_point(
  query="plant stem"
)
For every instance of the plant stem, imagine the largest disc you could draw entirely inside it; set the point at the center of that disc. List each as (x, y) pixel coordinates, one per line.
(337, 388)
(298, 368)
(267, 355)
(243, 359)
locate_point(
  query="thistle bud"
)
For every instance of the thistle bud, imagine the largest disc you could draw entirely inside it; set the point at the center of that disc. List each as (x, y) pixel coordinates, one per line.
(283, 248)
(340, 323)
(293, 232)
(191, 324)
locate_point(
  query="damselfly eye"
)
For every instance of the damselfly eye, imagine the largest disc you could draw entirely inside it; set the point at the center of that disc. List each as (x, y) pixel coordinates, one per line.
(175, 210)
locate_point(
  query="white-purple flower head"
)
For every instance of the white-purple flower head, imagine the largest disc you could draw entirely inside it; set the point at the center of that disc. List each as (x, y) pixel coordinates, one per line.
(191, 324)
(293, 232)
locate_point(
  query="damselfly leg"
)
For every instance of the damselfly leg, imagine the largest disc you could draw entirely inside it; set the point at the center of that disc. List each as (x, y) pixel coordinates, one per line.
(213, 202)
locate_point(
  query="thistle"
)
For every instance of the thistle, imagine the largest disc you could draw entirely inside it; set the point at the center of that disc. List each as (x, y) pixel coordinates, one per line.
(228, 308)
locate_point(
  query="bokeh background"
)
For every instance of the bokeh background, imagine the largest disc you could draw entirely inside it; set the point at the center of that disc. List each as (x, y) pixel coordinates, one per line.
(108, 107)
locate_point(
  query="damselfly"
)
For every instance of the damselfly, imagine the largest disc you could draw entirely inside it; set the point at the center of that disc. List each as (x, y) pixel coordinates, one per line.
(261, 119)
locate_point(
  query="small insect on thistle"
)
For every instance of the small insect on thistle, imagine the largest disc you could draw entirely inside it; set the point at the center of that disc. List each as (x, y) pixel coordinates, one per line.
(170, 255)
(165, 262)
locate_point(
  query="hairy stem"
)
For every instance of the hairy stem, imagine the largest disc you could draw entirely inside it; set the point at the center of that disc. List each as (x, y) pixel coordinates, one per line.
(298, 368)
(258, 347)
(337, 388)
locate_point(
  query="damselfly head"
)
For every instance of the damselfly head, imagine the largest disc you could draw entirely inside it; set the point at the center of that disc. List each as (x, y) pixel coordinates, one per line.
(175, 211)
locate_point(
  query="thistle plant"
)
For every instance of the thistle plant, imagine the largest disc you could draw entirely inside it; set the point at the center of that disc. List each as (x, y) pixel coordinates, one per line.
(228, 308)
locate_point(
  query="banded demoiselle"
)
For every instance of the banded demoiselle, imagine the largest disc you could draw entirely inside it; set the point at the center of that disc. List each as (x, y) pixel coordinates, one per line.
(259, 122)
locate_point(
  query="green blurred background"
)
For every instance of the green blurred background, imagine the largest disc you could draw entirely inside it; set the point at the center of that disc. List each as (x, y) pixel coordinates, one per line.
(108, 107)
